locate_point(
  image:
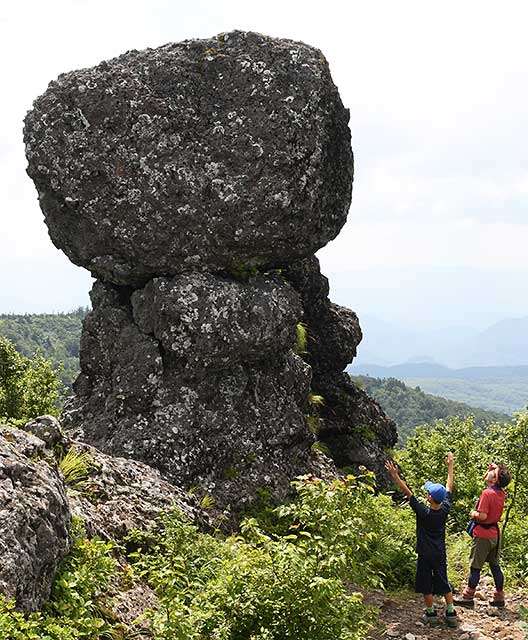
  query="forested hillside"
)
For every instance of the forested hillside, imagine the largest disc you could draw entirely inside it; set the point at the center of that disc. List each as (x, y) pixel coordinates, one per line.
(55, 335)
(410, 407)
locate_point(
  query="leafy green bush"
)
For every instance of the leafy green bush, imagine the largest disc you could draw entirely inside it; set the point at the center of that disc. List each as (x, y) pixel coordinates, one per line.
(75, 610)
(249, 587)
(354, 534)
(28, 386)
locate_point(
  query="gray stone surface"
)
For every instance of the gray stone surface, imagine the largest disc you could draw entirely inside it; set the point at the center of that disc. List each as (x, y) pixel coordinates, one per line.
(121, 494)
(232, 429)
(34, 518)
(206, 321)
(201, 155)
(47, 428)
(352, 424)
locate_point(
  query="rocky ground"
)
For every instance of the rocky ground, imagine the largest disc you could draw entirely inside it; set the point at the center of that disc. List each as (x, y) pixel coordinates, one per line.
(400, 617)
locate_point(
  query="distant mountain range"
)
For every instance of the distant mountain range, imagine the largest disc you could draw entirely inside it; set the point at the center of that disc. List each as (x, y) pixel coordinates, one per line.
(501, 389)
(505, 343)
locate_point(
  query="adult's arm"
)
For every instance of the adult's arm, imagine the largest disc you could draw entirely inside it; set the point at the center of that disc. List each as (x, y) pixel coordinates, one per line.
(450, 461)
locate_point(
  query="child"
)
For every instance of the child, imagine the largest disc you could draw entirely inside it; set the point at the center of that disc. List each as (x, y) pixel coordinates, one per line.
(431, 566)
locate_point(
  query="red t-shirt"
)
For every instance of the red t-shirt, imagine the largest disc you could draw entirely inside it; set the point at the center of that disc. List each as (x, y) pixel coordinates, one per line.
(491, 502)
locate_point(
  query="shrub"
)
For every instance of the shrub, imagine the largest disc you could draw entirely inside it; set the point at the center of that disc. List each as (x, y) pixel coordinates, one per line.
(354, 534)
(245, 587)
(28, 386)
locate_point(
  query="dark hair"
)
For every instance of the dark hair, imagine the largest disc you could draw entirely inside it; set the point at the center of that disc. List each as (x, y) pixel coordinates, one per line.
(503, 476)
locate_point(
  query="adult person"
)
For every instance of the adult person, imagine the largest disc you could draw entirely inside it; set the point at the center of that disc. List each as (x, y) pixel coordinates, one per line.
(486, 536)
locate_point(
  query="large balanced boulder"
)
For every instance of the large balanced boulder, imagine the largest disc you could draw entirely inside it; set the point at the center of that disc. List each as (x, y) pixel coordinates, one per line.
(195, 181)
(201, 155)
(34, 518)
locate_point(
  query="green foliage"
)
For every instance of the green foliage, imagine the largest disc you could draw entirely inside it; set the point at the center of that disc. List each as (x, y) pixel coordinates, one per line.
(354, 534)
(243, 271)
(315, 400)
(301, 338)
(422, 459)
(56, 336)
(272, 585)
(75, 467)
(76, 609)
(28, 386)
(313, 423)
(410, 407)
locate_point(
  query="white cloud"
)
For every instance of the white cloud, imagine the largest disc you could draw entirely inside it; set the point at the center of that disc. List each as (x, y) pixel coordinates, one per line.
(438, 96)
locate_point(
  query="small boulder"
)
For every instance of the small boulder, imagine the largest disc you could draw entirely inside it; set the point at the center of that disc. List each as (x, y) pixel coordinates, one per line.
(34, 519)
(48, 429)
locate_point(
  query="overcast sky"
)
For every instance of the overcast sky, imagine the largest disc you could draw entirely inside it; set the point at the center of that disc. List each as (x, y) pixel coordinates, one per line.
(438, 94)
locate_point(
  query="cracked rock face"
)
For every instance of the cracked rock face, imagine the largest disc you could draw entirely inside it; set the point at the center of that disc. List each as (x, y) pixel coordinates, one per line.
(195, 181)
(120, 495)
(224, 410)
(199, 155)
(34, 519)
(353, 425)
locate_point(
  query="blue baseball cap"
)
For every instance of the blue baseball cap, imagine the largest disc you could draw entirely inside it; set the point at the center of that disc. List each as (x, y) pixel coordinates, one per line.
(436, 490)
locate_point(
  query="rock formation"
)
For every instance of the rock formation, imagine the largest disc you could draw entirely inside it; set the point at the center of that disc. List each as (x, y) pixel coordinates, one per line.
(196, 181)
(116, 496)
(34, 519)
(193, 156)
(352, 424)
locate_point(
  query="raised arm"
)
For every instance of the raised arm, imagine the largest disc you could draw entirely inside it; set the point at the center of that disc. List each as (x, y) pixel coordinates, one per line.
(450, 461)
(395, 477)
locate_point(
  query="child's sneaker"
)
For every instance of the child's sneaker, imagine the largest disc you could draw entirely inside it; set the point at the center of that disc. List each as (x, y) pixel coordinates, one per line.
(451, 619)
(431, 618)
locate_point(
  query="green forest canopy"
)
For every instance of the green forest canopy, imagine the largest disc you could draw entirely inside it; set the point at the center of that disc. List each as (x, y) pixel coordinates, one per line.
(55, 335)
(410, 407)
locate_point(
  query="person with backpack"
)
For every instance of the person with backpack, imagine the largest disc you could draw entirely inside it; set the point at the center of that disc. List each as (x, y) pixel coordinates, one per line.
(484, 529)
(431, 565)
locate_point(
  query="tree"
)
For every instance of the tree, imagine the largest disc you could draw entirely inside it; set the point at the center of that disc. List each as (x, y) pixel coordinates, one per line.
(28, 386)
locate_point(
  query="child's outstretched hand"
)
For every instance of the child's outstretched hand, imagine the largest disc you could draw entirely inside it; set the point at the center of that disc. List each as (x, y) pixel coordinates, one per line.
(450, 458)
(392, 469)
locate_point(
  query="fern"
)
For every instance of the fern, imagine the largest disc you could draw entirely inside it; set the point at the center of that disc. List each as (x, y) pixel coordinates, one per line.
(315, 400)
(320, 447)
(75, 467)
(301, 339)
(313, 423)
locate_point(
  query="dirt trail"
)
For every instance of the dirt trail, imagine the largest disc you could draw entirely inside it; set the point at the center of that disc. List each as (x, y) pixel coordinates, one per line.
(401, 618)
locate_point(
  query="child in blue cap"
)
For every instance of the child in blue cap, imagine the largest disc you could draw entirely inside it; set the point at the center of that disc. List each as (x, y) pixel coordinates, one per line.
(431, 566)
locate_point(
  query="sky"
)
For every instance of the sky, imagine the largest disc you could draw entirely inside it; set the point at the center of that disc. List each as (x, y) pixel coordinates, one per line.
(438, 97)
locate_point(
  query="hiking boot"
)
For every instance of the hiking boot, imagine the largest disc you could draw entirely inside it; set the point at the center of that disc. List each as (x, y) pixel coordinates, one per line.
(467, 599)
(431, 618)
(498, 599)
(451, 619)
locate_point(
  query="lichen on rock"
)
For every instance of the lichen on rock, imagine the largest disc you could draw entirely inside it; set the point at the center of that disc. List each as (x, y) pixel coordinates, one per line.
(196, 181)
(192, 156)
(34, 518)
